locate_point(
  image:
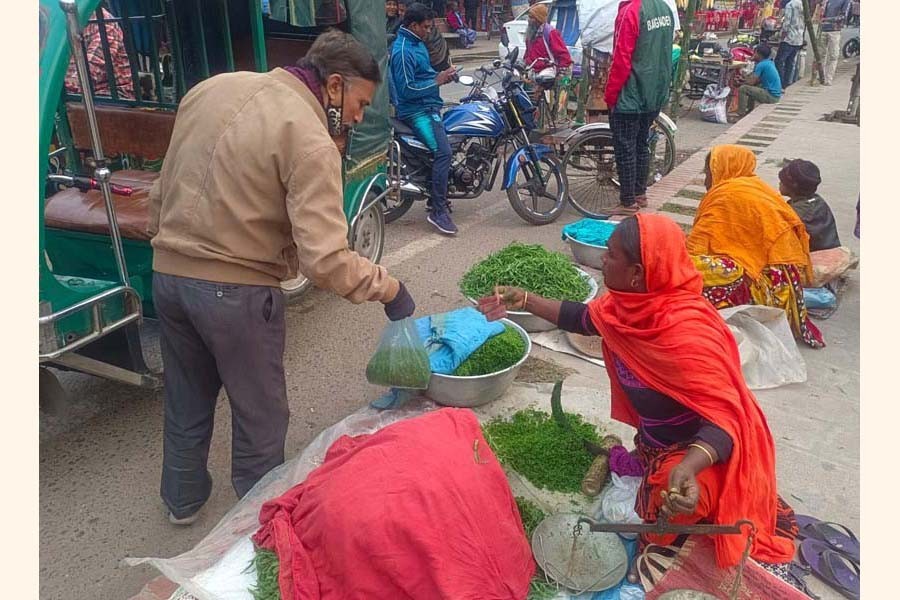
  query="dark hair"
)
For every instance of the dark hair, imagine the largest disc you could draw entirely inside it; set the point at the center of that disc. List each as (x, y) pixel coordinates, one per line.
(417, 13)
(630, 235)
(764, 50)
(337, 52)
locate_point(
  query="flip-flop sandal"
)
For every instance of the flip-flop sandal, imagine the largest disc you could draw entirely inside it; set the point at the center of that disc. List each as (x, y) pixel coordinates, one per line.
(839, 537)
(834, 568)
(798, 572)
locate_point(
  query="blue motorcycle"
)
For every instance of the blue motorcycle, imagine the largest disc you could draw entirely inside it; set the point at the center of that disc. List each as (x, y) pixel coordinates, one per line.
(487, 125)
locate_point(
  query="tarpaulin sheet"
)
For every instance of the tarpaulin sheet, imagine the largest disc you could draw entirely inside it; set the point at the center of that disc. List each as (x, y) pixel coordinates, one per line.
(421, 509)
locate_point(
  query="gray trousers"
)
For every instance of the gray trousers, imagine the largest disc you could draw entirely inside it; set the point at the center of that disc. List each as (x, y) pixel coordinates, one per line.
(216, 334)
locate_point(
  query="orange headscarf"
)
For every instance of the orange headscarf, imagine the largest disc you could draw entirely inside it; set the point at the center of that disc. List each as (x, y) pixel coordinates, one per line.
(744, 218)
(539, 12)
(673, 339)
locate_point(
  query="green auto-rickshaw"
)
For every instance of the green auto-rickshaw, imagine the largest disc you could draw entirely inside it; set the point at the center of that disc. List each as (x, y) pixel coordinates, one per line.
(99, 153)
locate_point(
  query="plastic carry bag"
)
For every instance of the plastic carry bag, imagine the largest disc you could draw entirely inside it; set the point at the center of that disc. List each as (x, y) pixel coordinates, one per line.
(819, 298)
(769, 354)
(400, 360)
(714, 105)
(617, 501)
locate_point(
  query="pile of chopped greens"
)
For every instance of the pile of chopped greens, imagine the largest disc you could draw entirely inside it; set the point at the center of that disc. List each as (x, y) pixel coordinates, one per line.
(531, 514)
(266, 564)
(499, 352)
(537, 447)
(530, 267)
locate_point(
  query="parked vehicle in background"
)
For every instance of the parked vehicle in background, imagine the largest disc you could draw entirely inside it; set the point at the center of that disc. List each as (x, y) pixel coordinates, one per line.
(850, 42)
(100, 154)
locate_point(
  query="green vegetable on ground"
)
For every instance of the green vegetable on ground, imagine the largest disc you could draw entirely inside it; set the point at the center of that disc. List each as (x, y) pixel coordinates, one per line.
(535, 446)
(530, 267)
(266, 564)
(541, 589)
(531, 514)
(499, 352)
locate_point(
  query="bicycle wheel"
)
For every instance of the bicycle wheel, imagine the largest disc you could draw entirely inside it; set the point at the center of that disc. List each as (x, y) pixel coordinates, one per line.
(590, 169)
(662, 152)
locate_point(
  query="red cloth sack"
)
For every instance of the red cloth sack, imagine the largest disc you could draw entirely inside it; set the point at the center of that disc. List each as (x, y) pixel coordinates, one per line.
(420, 509)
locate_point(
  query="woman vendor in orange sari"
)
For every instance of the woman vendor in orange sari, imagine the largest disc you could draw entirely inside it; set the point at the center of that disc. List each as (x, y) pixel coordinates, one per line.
(675, 373)
(749, 244)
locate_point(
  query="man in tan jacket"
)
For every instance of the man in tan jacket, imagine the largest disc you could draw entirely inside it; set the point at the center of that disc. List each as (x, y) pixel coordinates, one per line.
(250, 188)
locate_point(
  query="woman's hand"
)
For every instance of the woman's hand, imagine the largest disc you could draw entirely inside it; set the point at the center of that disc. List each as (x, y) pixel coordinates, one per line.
(683, 494)
(503, 299)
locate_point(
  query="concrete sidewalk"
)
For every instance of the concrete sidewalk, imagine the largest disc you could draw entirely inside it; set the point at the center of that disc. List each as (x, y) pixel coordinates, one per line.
(483, 51)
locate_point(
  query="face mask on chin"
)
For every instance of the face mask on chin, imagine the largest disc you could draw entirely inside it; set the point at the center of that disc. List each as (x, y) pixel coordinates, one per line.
(340, 132)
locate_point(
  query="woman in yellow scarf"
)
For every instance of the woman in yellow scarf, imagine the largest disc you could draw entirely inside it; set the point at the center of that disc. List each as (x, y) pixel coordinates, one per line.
(748, 244)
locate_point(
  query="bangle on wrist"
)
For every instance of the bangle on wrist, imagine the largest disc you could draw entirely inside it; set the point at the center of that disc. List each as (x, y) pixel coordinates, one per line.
(525, 303)
(705, 451)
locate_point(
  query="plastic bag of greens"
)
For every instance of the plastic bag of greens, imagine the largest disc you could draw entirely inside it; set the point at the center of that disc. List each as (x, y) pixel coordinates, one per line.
(400, 360)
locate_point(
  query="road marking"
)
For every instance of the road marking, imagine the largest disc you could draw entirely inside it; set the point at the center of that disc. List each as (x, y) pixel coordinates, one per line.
(417, 247)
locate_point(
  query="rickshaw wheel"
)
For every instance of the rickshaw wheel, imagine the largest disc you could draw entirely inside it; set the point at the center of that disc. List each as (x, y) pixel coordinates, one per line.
(590, 168)
(367, 241)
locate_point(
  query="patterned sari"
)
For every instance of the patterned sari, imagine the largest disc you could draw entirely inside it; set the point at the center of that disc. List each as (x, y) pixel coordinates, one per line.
(749, 244)
(725, 285)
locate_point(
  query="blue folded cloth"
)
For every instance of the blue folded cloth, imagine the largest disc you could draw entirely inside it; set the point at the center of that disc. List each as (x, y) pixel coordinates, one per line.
(589, 231)
(450, 338)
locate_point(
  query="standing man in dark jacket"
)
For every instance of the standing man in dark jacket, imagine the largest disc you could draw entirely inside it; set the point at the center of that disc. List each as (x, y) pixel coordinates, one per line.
(637, 89)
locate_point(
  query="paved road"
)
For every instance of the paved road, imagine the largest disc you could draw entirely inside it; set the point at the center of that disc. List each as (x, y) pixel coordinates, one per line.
(99, 468)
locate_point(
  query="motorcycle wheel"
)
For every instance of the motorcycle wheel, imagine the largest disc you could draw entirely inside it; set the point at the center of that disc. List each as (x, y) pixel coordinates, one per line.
(851, 48)
(529, 197)
(367, 241)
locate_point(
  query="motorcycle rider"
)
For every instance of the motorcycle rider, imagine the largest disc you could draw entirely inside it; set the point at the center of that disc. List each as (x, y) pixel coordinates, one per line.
(414, 93)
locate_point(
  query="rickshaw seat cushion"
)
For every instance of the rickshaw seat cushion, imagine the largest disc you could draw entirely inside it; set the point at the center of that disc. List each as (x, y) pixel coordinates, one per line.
(143, 132)
(74, 210)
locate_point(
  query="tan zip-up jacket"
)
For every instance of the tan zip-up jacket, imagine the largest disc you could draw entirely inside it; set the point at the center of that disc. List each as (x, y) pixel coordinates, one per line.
(251, 187)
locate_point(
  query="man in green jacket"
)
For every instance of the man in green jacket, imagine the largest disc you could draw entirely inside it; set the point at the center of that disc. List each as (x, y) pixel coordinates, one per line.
(636, 90)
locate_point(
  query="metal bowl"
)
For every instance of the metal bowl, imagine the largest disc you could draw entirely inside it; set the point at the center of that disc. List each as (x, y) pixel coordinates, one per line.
(535, 324)
(587, 254)
(586, 562)
(467, 392)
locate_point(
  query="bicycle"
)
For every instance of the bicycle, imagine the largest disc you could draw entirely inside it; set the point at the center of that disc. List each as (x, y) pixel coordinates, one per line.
(590, 165)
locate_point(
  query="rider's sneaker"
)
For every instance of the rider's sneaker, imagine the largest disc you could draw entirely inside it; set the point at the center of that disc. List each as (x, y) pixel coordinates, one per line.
(442, 222)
